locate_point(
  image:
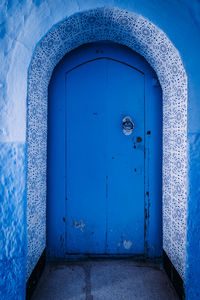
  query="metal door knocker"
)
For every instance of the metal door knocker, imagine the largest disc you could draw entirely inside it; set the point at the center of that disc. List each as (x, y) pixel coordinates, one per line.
(127, 125)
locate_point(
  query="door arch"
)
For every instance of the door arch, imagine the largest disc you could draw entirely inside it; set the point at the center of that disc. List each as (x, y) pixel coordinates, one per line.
(104, 188)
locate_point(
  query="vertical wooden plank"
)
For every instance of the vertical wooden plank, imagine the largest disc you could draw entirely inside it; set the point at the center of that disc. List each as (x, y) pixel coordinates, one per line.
(125, 96)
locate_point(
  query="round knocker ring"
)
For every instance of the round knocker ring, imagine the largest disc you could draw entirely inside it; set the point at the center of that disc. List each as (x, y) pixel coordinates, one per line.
(127, 125)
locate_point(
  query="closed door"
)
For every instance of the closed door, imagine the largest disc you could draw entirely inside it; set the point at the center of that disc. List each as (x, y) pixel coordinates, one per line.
(99, 154)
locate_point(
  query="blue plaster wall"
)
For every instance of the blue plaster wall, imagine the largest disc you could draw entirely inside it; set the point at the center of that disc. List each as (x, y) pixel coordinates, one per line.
(23, 24)
(12, 220)
(193, 249)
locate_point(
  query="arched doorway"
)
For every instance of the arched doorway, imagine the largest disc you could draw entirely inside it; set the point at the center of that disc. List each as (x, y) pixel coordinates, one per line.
(104, 171)
(147, 39)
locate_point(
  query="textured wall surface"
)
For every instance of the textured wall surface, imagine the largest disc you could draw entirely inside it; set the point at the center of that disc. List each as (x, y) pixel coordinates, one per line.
(23, 24)
(12, 219)
(142, 36)
(193, 233)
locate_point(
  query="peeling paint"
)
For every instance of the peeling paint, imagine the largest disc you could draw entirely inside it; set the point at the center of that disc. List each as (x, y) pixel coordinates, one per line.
(78, 225)
(127, 244)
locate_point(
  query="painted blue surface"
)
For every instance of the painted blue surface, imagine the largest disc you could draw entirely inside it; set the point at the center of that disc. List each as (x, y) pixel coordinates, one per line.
(105, 199)
(100, 182)
(13, 245)
(24, 23)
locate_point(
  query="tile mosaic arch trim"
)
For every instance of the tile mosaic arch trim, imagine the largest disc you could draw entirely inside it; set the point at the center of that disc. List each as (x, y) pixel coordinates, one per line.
(148, 40)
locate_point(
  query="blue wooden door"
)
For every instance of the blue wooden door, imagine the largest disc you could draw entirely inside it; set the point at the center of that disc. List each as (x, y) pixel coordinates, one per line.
(98, 176)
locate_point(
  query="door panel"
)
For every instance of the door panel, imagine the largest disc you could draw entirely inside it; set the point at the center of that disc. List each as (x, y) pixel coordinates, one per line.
(86, 158)
(105, 199)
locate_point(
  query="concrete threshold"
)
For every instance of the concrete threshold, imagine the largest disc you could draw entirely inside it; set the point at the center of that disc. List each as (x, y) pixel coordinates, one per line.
(104, 279)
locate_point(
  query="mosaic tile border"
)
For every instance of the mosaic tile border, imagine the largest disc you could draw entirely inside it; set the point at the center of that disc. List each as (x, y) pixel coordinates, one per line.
(148, 40)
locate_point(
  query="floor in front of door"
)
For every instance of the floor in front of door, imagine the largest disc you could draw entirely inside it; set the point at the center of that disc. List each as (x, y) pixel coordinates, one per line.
(104, 280)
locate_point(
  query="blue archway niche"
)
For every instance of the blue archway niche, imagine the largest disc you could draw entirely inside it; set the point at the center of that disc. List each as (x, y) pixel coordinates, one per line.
(148, 40)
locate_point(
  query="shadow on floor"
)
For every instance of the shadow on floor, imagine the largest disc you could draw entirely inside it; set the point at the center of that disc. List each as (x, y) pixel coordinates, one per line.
(104, 280)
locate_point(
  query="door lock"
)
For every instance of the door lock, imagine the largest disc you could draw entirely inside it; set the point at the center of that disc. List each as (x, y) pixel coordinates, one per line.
(127, 125)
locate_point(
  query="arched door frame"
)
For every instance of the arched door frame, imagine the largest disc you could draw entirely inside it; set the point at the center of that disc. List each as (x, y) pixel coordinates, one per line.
(142, 36)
